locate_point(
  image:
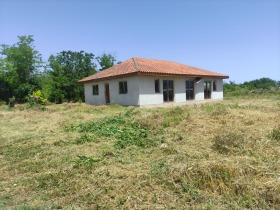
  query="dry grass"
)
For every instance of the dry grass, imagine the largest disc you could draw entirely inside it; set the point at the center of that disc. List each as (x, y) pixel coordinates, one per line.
(222, 155)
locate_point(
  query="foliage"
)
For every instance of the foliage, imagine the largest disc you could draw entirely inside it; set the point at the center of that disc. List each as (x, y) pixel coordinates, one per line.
(126, 131)
(36, 99)
(67, 67)
(258, 86)
(105, 61)
(19, 68)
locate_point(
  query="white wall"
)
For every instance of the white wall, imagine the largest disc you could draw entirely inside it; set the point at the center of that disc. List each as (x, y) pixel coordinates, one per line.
(130, 98)
(218, 94)
(147, 94)
(141, 90)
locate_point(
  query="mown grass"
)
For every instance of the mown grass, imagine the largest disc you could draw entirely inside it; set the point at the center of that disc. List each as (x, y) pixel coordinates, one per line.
(221, 155)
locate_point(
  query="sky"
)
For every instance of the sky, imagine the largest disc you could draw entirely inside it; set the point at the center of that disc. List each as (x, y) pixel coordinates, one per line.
(240, 38)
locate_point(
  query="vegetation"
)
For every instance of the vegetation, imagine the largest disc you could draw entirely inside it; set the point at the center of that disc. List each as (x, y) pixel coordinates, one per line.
(255, 87)
(218, 155)
(22, 72)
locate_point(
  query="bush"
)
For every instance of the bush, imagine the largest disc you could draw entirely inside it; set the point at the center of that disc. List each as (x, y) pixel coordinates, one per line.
(36, 100)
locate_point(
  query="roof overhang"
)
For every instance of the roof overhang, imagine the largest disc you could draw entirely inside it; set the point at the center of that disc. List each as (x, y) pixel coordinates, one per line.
(153, 74)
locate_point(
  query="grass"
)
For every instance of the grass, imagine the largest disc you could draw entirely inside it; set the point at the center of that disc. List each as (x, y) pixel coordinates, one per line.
(221, 155)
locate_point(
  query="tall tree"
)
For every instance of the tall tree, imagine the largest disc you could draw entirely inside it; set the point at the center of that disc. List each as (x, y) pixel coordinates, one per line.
(20, 66)
(67, 68)
(105, 61)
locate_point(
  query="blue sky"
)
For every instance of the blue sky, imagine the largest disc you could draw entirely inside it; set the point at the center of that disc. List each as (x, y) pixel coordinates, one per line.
(240, 38)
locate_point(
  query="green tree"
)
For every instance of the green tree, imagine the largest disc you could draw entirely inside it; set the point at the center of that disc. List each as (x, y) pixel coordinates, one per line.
(67, 68)
(105, 61)
(20, 64)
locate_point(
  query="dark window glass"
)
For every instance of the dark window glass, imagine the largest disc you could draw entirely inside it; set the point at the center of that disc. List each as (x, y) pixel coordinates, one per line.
(157, 90)
(95, 90)
(214, 86)
(207, 89)
(168, 90)
(189, 90)
(123, 87)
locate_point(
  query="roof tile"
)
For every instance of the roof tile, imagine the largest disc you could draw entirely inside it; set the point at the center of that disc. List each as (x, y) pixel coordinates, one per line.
(146, 66)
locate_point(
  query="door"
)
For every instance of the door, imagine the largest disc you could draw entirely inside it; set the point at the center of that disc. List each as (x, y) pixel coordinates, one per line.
(168, 90)
(207, 89)
(189, 90)
(107, 94)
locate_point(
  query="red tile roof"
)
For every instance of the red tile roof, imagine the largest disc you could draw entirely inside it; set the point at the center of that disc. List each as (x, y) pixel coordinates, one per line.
(145, 66)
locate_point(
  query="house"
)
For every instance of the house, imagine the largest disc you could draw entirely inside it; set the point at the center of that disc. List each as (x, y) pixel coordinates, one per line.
(141, 82)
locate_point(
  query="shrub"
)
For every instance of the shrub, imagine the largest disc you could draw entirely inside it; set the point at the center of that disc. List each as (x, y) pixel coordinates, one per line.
(36, 99)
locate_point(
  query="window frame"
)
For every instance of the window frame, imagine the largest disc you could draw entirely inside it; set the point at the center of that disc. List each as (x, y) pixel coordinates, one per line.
(95, 90)
(123, 87)
(157, 86)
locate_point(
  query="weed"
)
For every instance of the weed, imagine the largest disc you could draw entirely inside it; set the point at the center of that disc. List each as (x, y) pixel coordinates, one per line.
(160, 169)
(173, 117)
(126, 131)
(215, 109)
(189, 188)
(275, 134)
(85, 137)
(228, 143)
(85, 161)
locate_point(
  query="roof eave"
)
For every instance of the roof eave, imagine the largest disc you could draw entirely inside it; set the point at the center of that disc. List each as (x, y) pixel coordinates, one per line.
(150, 74)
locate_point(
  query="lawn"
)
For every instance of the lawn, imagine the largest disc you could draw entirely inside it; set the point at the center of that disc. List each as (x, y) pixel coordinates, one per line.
(218, 155)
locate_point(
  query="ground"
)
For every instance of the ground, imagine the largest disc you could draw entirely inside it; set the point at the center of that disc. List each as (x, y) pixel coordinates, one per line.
(218, 155)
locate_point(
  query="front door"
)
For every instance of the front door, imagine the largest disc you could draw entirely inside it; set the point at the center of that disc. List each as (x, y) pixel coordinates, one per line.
(168, 90)
(107, 94)
(207, 89)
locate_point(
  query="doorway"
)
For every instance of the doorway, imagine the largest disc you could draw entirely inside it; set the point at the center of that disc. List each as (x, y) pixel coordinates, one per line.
(189, 90)
(107, 93)
(168, 90)
(207, 89)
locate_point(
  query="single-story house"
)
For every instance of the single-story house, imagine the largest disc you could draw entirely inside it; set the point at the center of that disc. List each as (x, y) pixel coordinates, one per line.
(141, 82)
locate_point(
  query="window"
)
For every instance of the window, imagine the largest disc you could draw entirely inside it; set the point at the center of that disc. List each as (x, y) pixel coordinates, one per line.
(189, 90)
(207, 89)
(168, 90)
(157, 90)
(123, 87)
(214, 85)
(95, 90)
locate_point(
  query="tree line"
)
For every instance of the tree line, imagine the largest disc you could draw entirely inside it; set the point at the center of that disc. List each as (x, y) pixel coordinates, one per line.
(22, 72)
(262, 85)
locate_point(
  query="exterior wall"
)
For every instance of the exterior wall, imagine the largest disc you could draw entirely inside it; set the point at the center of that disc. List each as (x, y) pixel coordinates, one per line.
(141, 90)
(218, 94)
(147, 94)
(149, 97)
(131, 98)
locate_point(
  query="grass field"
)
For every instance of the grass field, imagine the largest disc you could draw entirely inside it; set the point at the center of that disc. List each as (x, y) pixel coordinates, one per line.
(220, 155)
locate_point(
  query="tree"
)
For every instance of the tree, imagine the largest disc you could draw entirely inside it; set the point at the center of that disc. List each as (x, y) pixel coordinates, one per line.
(105, 61)
(67, 68)
(19, 68)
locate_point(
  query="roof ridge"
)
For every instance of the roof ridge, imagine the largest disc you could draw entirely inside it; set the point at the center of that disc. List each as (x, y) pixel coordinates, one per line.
(137, 67)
